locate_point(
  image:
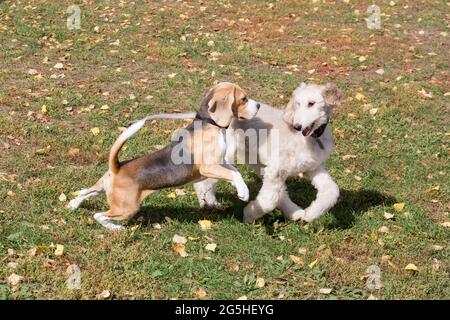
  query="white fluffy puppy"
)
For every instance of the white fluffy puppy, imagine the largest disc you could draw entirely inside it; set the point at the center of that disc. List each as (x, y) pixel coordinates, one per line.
(289, 142)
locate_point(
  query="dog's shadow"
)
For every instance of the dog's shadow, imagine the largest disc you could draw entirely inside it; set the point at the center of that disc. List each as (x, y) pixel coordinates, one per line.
(351, 204)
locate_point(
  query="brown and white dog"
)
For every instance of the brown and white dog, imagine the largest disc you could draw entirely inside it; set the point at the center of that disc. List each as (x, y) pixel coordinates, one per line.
(127, 183)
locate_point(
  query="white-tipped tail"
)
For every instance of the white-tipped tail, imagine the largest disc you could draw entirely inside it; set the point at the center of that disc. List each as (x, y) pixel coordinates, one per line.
(135, 127)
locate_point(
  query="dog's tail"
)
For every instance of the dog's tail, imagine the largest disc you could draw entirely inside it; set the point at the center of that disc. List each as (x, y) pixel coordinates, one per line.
(135, 127)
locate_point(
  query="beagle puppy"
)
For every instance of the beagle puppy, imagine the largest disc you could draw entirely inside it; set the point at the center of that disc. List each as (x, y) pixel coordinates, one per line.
(201, 149)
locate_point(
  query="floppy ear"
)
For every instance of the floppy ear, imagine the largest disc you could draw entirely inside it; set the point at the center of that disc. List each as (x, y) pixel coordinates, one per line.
(288, 115)
(331, 94)
(221, 109)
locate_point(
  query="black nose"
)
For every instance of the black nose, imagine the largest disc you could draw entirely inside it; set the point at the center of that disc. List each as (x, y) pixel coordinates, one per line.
(298, 127)
(258, 106)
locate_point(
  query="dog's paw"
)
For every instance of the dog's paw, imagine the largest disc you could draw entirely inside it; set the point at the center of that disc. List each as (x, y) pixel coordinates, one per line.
(107, 222)
(251, 212)
(296, 215)
(213, 206)
(74, 204)
(243, 192)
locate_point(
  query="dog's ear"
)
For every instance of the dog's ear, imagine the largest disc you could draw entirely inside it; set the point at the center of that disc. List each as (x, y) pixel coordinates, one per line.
(220, 109)
(331, 94)
(288, 115)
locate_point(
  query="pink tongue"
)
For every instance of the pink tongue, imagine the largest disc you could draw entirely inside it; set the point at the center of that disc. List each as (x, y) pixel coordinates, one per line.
(306, 131)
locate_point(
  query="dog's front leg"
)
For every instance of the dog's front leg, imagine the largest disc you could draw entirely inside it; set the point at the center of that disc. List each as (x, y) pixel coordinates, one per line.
(229, 173)
(327, 194)
(290, 210)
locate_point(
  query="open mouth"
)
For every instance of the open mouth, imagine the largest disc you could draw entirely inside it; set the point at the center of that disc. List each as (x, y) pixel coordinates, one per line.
(308, 130)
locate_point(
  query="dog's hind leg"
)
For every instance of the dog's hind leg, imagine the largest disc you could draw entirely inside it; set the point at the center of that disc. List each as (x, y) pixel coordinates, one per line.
(93, 191)
(290, 210)
(206, 193)
(107, 222)
(327, 194)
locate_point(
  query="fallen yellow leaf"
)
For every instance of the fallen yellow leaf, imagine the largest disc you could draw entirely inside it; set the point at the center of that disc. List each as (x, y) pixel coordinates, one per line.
(171, 195)
(62, 197)
(399, 206)
(44, 108)
(360, 96)
(312, 264)
(205, 224)
(95, 131)
(59, 250)
(297, 260)
(411, 267)
(260, 282)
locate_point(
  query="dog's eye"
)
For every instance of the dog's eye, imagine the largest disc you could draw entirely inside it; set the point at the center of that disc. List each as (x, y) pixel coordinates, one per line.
(245, 99)
(311, 103)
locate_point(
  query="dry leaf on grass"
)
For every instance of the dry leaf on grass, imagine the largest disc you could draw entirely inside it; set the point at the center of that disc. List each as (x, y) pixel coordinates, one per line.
(73, 152)
(360, 97)
(95, 131)
(180, 249)
(179, 239)
(171, 195)
(260, 282)
(200, 293)
(425, 95)
(325, 290)
(14, 279)
(312, 264)
(412, 267)
(211, 247)
(180, 192)
(105, 294)
(399, 206)
(59, 250)
(388, 215)
(296, 260)
(205, 224)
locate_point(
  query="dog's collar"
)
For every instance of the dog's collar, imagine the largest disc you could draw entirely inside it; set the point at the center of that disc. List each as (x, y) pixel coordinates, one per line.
(210, 121)
(319, 131)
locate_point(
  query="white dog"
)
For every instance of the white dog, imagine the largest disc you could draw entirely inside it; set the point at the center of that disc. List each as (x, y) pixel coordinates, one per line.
(298, 141)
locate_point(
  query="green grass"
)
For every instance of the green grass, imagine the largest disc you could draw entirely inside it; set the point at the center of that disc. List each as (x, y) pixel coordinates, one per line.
(401, 151)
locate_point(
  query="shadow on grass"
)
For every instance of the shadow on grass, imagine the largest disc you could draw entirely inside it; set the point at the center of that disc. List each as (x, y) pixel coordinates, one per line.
(351, 204)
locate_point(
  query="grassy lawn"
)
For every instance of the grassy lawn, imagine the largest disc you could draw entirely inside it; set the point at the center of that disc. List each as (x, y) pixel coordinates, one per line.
(132, 59)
